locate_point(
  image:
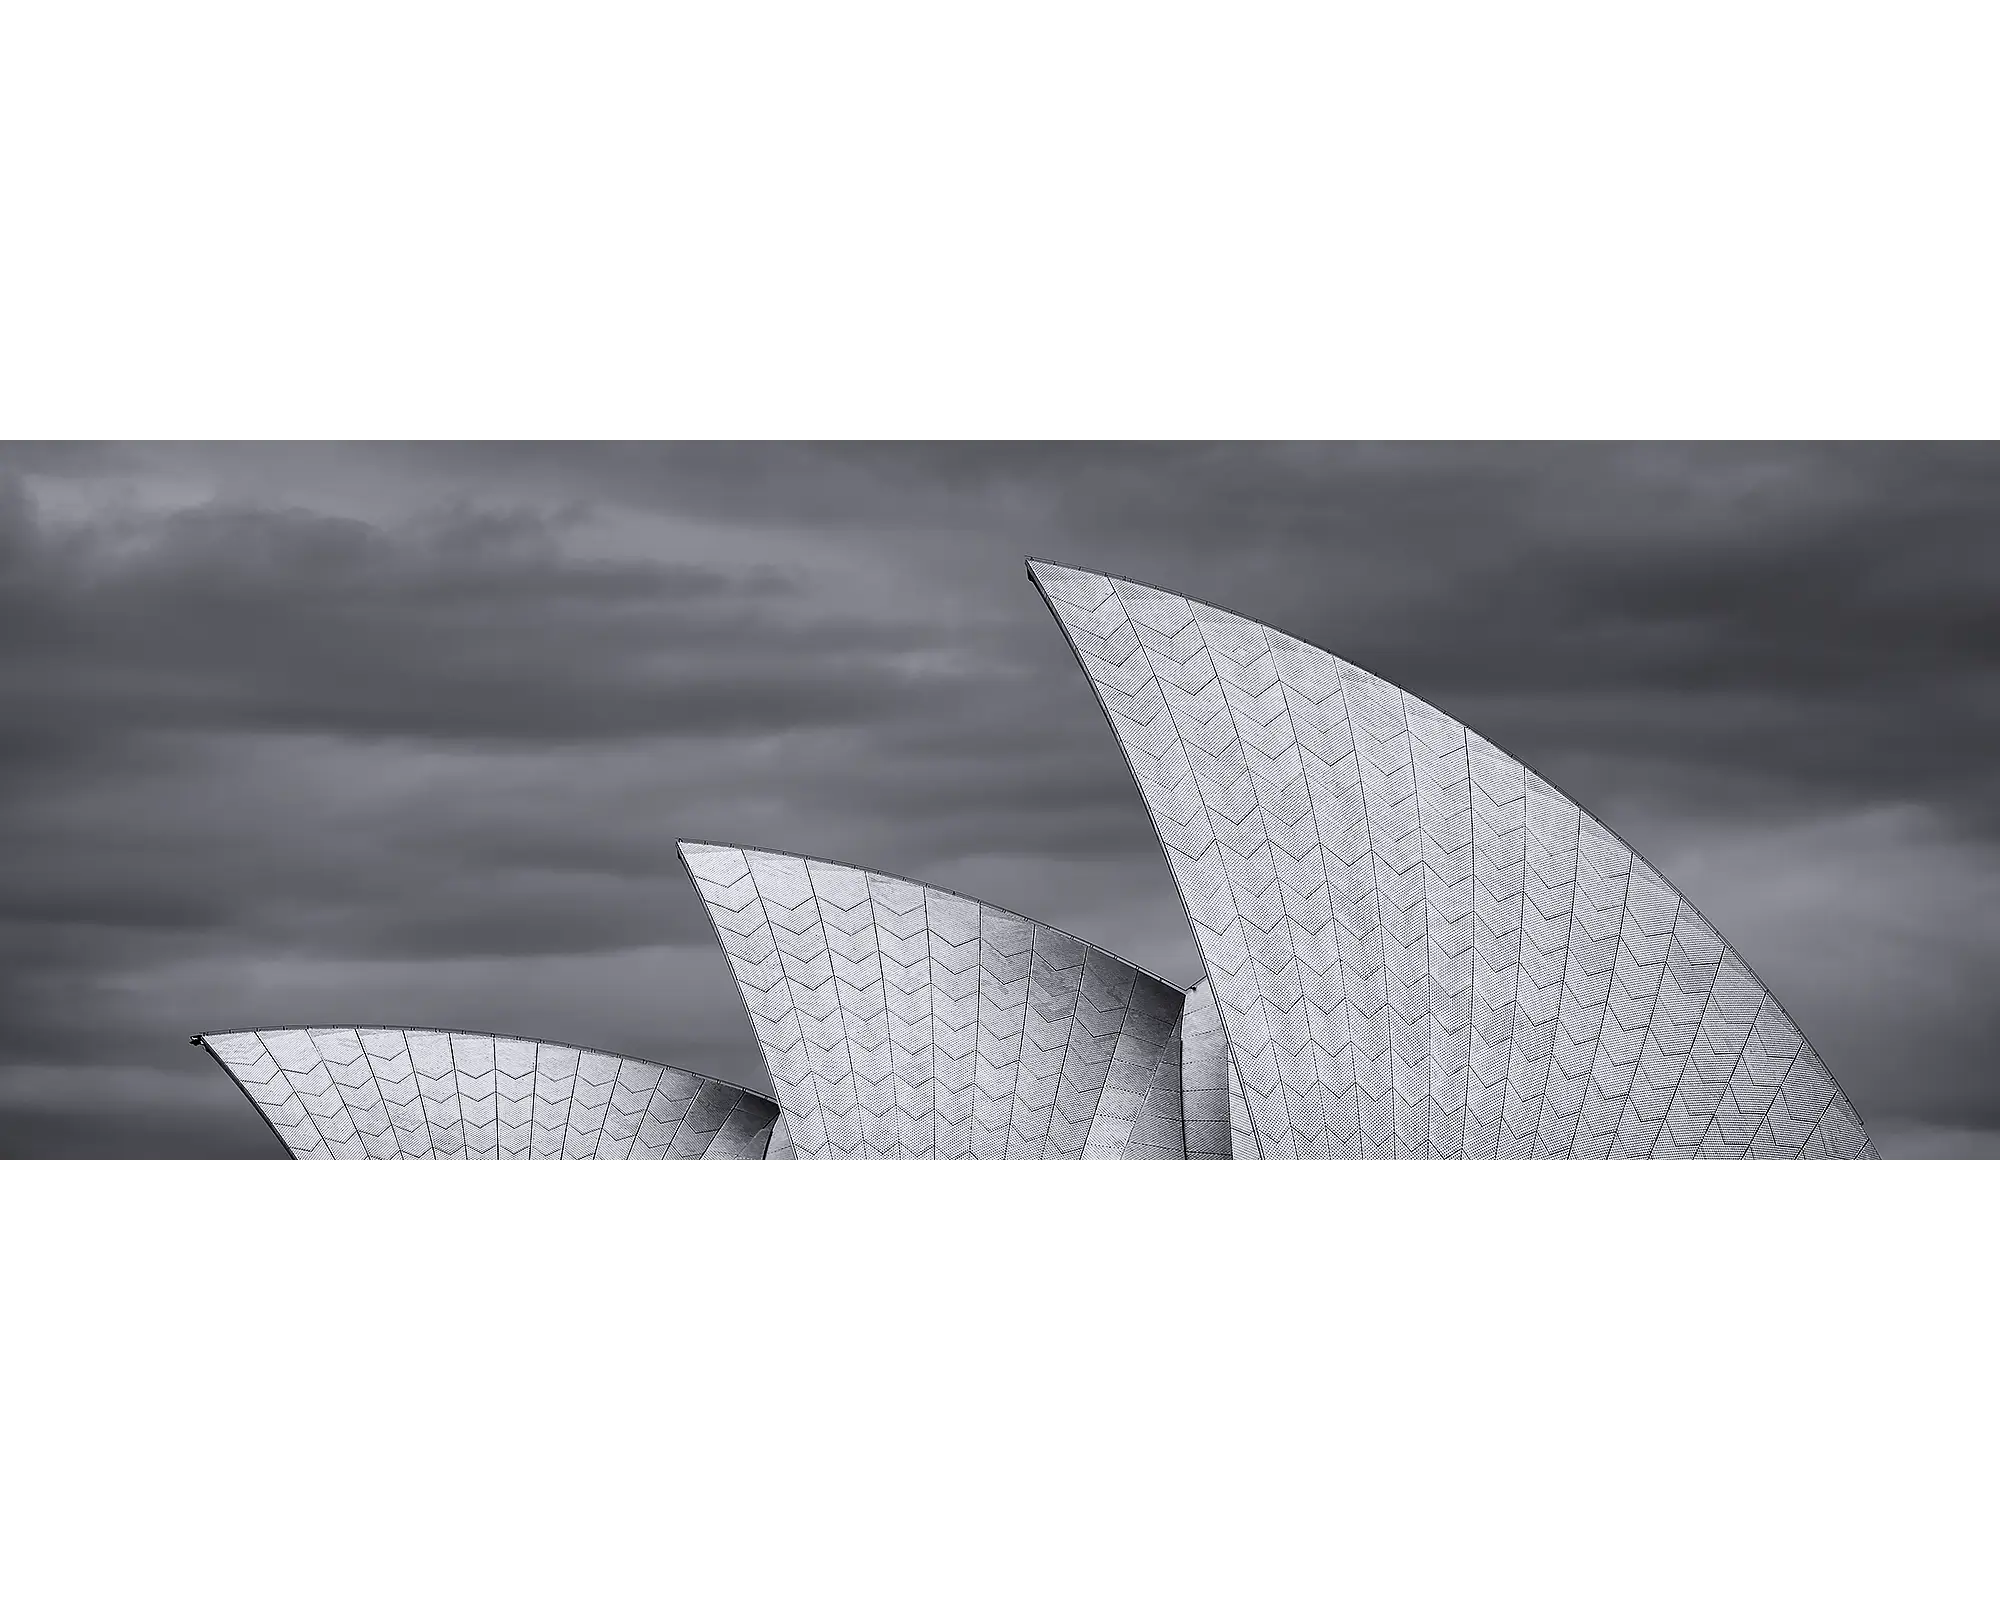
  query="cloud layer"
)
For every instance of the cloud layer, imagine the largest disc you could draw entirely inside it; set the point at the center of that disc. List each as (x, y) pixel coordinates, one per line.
(343, 733)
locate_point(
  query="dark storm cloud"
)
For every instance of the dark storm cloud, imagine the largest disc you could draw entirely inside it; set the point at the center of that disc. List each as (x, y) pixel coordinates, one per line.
(1816, 619)
(1817, 616)
(477, 628)
(407, 732)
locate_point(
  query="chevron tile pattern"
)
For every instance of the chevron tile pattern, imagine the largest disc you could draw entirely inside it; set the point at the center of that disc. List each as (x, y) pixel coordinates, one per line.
(900, 1021)
(1206, 1079)
(1417, 948)
(418, 1095)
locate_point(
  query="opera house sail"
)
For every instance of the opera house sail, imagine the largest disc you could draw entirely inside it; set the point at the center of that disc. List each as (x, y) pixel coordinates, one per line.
(420, 1093)
(901, 1021)
(1419, 948)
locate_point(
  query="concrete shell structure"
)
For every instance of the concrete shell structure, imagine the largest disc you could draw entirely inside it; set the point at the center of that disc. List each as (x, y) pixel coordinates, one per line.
(421, 1094)
(902, 1021)
(1416, 946)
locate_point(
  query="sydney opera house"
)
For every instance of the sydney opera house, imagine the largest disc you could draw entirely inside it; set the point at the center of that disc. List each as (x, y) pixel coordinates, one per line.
(1415, 948)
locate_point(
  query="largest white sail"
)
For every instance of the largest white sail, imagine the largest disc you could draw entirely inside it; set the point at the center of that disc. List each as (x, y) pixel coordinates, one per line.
(1418, 947)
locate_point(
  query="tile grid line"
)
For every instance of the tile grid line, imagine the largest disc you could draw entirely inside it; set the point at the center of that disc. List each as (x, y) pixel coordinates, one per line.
(930, 1009)
(458, 1093)
(861, 1112)
(1778, 1094)
(1422, 867)
(305, 1105)
(1563, 996)
(1111, 1066)
(1736, 1065)
(785, 977)
(1708, 1007)
(1014, 1133)
(1430, 948)
(1236, 732)
(1356, 732)
(1472, 939)
(416, 1089)
(535, 1095)
(1064, 1078)
(888, 1034)
(1652, 1010)
(658, 1097)
(1322, 1056)
(611, 1106)
(1020, 1051)
(1562, 983)
(1045, 1148)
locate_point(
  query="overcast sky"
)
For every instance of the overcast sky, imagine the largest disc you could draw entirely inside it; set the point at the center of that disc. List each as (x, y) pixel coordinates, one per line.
(406, 734)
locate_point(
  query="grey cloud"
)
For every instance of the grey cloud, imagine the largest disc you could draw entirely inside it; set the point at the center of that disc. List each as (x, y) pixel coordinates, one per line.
(306, 732)
(476, 628)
